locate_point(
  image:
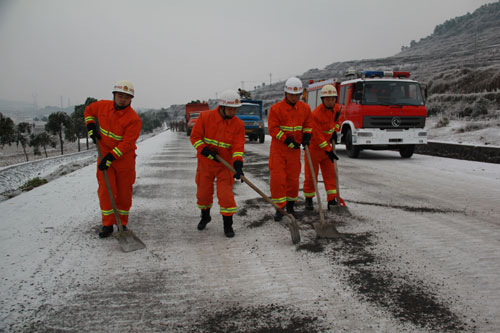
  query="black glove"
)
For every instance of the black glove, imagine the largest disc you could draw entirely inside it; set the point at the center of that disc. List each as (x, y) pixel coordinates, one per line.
(331, 155)
(209, 153)
(306, 139)
(93, 132)
(238, 167)
(106, 162)
(334, 137)
(291, 143)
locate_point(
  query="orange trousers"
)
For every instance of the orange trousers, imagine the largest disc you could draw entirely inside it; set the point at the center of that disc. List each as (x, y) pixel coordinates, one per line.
(208, 172)
(320, 159)
(284, 167)
(121, 178)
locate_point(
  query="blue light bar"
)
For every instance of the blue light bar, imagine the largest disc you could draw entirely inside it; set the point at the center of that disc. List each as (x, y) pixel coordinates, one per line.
(372, 74)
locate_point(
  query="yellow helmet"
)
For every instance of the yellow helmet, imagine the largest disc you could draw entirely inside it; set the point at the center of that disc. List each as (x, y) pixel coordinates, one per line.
(125, 87)
(328, 90)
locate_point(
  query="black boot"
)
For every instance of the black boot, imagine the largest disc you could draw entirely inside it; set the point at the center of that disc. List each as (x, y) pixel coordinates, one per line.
(278, 216)
(332, 203)
(228, 226)
(289, 207)
(205, 218)
(309, 204)
(106, 231)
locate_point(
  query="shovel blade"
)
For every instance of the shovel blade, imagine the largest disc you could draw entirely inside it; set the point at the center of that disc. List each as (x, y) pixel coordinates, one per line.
(294, 229)
(340, 210)
(324, 230)
(129, 241)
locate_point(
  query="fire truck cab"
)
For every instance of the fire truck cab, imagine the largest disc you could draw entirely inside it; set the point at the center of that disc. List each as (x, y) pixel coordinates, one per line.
(381, 110)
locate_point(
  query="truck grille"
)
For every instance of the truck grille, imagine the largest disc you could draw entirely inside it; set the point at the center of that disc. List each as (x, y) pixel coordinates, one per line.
(393, 122)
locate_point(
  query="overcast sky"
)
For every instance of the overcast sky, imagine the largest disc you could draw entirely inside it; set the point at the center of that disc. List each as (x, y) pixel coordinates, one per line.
(176, 51)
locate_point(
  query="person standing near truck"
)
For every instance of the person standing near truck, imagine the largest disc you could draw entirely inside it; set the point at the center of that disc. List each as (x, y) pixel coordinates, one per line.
(115, 127)
(322, 154)
(290, 124)
(219, 132)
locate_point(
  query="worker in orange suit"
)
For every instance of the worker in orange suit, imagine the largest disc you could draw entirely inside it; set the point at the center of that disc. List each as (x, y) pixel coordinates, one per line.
(322, 154)
(116, 127)
(219, 132)
(290, 124)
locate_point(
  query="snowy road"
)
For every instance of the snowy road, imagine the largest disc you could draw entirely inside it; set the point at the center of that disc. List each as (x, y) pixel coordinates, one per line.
(421, 252)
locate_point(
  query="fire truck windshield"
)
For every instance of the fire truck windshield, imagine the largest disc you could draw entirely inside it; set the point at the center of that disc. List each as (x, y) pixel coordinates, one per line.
(392, 93)
(249, 109)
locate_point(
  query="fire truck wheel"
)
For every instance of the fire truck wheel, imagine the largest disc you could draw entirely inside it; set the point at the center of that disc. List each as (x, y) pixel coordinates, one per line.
(407, 151)
(351, 150)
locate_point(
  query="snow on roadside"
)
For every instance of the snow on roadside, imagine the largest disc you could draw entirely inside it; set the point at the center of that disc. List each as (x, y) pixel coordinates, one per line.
(13, 176)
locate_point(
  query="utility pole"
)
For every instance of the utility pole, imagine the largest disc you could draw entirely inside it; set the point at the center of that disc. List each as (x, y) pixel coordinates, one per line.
(270, 78)
(62, 107)
(243, 85)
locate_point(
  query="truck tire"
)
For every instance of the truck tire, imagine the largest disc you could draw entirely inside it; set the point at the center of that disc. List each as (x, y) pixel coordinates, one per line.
(351, 150)
(262, 138)
(407, 151)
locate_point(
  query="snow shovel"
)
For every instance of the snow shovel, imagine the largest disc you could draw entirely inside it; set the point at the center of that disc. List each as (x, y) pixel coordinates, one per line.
(340, 208)
(322, 229)
(292, 224)
(126, 238)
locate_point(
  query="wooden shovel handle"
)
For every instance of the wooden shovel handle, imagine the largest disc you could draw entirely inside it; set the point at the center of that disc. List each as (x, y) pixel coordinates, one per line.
(255, 188)
(110, 192)
(336, 173)
(321, 213)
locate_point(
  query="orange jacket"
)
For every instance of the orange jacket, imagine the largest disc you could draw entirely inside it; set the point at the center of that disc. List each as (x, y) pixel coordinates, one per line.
(289, 121)
(226, 136)
(324, 126)
(119, 129)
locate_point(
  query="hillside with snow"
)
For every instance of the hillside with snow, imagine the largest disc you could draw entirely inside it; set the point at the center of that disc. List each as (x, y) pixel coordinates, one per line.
(460, 65)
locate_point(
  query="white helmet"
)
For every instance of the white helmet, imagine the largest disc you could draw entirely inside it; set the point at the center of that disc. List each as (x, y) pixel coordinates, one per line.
(328, 90)
(125, 87)
(293, 86)
(230, 98)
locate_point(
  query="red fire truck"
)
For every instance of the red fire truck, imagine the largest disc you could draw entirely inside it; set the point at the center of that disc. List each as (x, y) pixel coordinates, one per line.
(380, 110)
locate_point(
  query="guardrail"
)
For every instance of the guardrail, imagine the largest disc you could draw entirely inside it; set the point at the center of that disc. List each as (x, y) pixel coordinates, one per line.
(489, 154)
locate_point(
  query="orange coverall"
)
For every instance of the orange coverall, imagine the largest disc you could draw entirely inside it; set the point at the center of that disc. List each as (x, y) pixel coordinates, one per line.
(227, 137)
(324, 126)
(284, 163)
(119, 131)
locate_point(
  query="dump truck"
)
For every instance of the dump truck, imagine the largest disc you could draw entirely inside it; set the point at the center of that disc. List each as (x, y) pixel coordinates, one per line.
(194, 107)
(251, 114)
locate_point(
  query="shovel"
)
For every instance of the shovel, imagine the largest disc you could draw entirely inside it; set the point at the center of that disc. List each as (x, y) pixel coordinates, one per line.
(126, 238)
(322, 229)
(292, 224)
(340, 208)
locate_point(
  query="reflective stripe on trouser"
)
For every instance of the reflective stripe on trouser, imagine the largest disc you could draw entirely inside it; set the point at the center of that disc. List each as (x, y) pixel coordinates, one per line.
(121, 182)
(320, 160)
(208, 171)
(284, 166)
